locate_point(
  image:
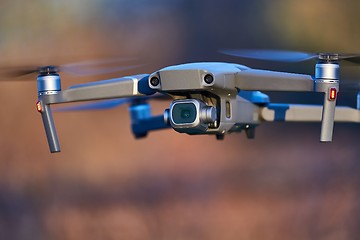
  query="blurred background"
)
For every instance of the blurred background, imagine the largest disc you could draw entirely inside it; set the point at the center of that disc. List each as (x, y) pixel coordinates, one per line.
(105, 184)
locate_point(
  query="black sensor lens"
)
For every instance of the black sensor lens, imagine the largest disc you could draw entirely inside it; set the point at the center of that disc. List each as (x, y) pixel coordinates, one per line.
(209, 79)
(184, 113)
(154, 81)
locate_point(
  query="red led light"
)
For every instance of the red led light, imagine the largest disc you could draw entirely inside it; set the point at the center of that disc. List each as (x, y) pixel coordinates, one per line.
(39, 107)
(332, 94)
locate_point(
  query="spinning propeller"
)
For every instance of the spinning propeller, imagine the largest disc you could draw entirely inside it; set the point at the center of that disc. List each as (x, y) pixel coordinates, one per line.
(84, 68)
(291, 56)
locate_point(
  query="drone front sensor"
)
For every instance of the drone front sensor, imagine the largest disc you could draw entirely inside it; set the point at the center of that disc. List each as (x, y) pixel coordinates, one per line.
(191, 116)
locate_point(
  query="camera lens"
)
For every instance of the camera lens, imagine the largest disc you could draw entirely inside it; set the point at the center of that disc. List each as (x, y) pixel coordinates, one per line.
(184, 113)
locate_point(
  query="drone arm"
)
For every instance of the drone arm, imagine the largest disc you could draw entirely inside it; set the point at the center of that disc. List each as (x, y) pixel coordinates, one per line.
(306, 113)
(253, 79)
(113, 88)
(263, 80)
(328, 118)
(49, 126)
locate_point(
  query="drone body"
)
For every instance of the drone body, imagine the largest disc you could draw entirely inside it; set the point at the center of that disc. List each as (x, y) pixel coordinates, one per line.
(212, 84)
(208, 98)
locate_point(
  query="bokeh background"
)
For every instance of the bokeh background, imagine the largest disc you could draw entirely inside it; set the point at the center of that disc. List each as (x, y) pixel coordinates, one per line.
(105, 184)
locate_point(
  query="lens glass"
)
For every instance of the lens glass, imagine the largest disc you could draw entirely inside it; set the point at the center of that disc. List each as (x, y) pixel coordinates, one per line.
(183, 113)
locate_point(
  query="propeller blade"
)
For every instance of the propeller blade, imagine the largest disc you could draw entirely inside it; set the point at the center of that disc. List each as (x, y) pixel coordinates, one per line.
(99, 62)
(98, 67)
(84, 68)
(14, 72)
(92, 72)
(270, 55)
(289, 56)
(353, 58)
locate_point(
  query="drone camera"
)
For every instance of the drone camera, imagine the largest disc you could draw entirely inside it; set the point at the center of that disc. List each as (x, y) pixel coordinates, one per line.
(184, 113)
(191, 116)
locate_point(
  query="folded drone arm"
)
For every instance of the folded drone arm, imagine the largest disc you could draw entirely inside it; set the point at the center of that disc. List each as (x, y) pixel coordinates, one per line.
(306, 113)
(113, 88)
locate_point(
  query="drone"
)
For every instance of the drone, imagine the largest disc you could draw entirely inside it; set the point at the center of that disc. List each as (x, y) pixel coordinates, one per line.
(214, 98)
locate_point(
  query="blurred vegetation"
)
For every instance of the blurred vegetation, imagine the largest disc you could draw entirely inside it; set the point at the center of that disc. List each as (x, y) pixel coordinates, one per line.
(107, 185)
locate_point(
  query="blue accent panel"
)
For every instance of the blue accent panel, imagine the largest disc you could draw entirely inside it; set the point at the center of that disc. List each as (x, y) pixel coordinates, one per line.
(142, 127)
(144, 88)
(142, 121)
(280, 110)
(139, 111)
(255, 97)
